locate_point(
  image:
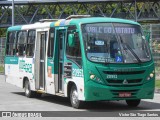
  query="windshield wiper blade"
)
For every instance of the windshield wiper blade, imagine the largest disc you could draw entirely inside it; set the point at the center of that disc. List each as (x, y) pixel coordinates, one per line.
(130, 49)
(135, 55)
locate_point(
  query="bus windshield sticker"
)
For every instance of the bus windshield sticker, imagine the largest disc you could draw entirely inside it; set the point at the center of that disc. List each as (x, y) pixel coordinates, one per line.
(101, 59)
(96, 59)
(99, 42)
(119, 59)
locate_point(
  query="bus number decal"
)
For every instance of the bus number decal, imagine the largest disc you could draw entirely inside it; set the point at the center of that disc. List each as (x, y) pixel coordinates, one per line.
(112, 76)
(77, 72)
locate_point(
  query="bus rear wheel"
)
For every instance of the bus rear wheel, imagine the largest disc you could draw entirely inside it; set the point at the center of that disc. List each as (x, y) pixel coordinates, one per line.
(75, 102)
(133, 103)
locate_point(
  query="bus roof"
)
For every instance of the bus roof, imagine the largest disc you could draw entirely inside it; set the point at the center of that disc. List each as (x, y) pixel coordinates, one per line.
(37, 25)
(72, 21)
(63, 22)
(105, 19)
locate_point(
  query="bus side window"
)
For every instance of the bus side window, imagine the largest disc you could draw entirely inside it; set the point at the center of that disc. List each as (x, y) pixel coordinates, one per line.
(74, 53)
(21, 43)
(30, 43)
(11, 43)
(51, 43)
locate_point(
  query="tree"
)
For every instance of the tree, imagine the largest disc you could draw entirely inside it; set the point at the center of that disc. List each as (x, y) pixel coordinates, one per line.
(3, 32)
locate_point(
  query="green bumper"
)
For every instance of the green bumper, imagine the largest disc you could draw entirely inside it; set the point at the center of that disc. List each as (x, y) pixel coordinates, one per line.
(98, 92)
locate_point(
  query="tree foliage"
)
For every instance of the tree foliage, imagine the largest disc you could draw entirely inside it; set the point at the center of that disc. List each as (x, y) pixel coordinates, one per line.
(3, 32)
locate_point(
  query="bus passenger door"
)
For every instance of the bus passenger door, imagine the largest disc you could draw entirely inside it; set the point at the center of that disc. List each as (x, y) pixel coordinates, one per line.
(50, 86)
(40, 60)
(59, 55)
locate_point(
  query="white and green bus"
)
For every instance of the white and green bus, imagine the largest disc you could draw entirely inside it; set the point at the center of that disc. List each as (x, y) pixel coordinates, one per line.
(83, 58)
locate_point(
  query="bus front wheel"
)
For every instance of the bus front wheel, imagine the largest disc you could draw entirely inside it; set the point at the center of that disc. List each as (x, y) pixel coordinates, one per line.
(74, 98)
(133, 103)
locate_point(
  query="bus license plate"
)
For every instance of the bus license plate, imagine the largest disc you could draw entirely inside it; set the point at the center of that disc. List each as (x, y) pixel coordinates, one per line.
(124, 94)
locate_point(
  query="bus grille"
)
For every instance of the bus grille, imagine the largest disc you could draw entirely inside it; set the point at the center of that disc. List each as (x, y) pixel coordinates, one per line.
(124, 72)
(120, 83)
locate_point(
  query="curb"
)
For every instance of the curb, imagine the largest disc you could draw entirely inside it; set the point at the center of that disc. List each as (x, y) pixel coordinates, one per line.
(157, 90)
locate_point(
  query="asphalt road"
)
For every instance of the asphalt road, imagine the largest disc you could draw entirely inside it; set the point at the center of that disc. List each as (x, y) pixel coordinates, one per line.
(12, 98)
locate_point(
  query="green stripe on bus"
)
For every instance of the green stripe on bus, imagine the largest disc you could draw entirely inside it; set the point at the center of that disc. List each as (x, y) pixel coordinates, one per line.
(11, 60)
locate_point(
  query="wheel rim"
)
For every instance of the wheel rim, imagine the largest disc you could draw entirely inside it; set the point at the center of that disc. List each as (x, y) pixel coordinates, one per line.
(27, 89)
(75, 97)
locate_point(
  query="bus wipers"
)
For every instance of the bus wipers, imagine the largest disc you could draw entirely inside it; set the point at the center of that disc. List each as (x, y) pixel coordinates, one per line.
(130, 49)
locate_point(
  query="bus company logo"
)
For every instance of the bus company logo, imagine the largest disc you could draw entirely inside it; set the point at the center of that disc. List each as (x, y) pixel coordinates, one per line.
(6, 114)
(25, 66)
(125, 82)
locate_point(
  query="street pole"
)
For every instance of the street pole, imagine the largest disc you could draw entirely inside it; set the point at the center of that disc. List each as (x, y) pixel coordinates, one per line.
(12, 12)
(135, 10)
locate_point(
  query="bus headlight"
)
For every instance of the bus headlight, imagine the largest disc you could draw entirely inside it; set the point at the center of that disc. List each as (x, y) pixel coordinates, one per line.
(92, 77)
(95, 78)
(151, 75)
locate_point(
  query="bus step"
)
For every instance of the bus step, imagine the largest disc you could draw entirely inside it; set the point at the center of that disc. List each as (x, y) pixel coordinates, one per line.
(60, 94)
(40, 91)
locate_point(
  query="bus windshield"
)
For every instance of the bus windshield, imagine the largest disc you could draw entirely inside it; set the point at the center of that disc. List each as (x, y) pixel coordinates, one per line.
(115, 43)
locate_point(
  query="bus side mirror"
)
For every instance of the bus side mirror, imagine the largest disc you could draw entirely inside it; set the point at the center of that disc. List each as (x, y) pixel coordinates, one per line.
(147, 35)
(71, 40)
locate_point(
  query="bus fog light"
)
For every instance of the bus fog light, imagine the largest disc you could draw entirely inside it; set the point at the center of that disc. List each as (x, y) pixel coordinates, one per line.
(151, 75)
(99, 80)
(92, 77)
(148, 78)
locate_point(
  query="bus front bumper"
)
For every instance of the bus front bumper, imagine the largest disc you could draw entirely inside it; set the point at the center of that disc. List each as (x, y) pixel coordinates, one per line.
(99, 92)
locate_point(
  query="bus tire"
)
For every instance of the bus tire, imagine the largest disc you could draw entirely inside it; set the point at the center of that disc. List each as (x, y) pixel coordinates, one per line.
(28, 92)
(38, 95)
(74, 98)
(133, 103)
